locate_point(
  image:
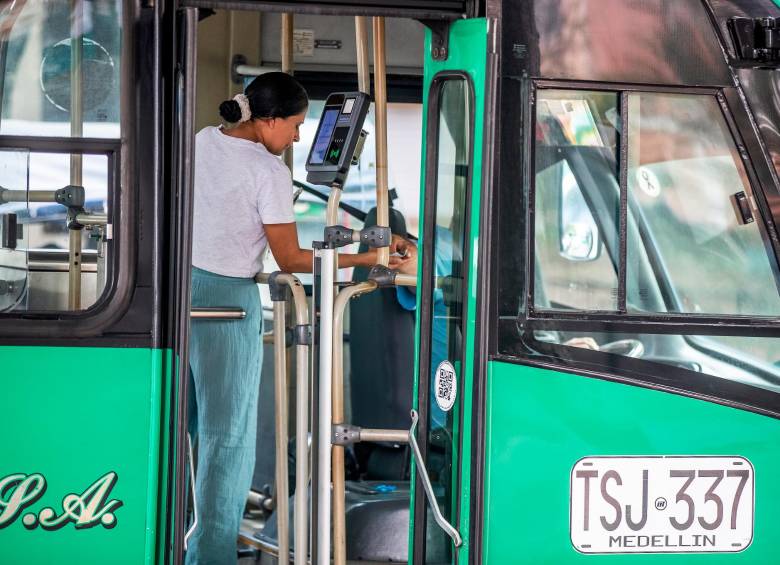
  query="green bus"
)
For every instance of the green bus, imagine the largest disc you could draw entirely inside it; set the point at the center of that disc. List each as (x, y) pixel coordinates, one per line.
(583, 371)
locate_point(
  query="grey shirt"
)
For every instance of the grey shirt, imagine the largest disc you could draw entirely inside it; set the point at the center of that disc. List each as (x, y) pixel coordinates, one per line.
(239, 187)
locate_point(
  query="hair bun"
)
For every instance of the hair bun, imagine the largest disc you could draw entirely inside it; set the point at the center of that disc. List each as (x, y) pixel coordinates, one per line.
(230, 111)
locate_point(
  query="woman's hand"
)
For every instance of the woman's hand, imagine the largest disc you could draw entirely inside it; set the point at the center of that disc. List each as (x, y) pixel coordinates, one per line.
(283, 241)
(403, 256)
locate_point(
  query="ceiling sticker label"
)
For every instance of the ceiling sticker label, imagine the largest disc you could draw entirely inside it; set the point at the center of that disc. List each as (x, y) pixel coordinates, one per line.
(303, 42)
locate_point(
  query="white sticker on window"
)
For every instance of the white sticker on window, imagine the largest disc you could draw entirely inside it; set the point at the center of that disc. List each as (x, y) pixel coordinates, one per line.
(445, 386)
(648, 182)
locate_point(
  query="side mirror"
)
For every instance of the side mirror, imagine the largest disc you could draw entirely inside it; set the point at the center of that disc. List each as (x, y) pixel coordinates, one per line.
(578, 237)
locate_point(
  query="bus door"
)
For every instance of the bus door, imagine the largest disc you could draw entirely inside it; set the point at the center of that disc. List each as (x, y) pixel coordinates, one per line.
(83, 364)
(632, 404)
(454, 102)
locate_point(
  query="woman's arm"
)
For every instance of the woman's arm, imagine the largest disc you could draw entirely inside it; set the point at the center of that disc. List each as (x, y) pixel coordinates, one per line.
(283, 240)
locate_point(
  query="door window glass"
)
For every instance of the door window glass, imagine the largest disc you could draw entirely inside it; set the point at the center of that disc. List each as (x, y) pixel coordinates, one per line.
(35, 252)
(576, 189)
(59, 79)
(446, 327)
(684, 176)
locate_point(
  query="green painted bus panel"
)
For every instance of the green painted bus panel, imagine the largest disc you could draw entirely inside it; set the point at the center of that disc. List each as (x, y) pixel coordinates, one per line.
(541, 422)
(87, 422)
(467, 54)
(168, 458)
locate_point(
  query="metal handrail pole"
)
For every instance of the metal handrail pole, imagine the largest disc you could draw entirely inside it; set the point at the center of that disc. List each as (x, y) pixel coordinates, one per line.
(394, 436)
(217, 313)
(86, 219)
(300, 520)
(405, 280)
(380, 125)
(76, 161)
(280, 413)
(328, 266)
(287, 67)
(13, 195)
(361, 42)
(339, 487)
(332, 209)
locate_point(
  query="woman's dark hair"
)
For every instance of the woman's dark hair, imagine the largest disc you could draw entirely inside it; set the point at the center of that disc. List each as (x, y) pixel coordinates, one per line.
(271, 95)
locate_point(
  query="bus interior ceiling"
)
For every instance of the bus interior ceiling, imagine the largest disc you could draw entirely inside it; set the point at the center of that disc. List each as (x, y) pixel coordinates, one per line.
(325, 61)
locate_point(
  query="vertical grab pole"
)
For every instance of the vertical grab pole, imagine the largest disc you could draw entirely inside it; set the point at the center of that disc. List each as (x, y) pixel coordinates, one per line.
(280, 402)
(281, 380)
(301, 425)
(302, 342)
(288, 21)
(361, 41)
(76, 130)
(328, 263)
(380, 122)
(343, 298)
(339, 483)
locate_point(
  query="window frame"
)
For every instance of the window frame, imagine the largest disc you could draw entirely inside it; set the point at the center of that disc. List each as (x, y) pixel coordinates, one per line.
(620, 320)
(123, 206)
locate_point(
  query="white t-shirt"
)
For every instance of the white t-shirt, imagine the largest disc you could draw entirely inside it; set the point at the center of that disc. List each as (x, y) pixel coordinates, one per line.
(239, 187)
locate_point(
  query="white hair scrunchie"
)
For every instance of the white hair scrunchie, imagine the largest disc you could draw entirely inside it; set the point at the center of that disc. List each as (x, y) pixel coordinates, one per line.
(243, 103)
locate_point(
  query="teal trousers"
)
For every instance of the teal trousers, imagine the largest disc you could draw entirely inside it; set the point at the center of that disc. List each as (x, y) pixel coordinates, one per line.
(225, 362)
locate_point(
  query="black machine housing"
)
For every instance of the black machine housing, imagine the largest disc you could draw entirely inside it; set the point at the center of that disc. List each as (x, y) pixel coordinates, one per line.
(338, 136)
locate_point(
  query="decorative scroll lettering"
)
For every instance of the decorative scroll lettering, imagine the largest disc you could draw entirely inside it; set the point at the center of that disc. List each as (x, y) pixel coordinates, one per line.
(17, 492)
(86, 510)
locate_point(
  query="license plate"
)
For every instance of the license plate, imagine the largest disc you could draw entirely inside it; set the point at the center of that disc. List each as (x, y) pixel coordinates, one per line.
(661, 504)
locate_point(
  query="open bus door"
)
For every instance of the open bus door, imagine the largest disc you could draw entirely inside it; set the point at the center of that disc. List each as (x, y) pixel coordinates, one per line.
(456, 58)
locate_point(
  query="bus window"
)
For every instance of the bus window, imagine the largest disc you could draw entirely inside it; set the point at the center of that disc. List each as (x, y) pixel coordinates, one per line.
(59, 162)
(683, 172)
(34, 265)
(36, 83)
(575, 130)
(689, 248)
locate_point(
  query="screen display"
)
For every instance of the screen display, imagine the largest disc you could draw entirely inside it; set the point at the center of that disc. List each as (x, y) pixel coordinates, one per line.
(348, 105)
(323, 136)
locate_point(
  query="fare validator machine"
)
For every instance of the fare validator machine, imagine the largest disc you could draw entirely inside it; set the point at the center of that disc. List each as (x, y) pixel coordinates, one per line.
(337, 146)
(339, 138)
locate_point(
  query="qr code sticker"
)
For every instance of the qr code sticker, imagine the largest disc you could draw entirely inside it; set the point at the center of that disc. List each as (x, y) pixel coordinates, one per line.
(445, 385)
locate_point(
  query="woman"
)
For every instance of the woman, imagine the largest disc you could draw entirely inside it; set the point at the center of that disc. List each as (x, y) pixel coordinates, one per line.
(243, 203)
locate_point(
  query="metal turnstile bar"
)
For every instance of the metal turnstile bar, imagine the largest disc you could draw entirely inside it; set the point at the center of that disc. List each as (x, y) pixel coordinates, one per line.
(217, 313)
(393, 436)
(301, 418)
(280, 421)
